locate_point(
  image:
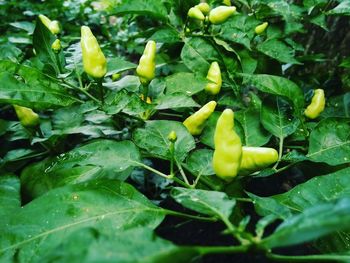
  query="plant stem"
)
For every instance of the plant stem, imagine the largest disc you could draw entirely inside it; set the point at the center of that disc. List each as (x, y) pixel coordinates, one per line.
(68, 85)
(221, 250)
(170, 114)
(78, 77)
(59, 68)
(308, 258)
(175, 213)
(241, 199)
(172, 156)
(181, 171)
(285, 167)
(177, 180)
(204, 180)
(197, 180)
(280, 152)
(101, 89)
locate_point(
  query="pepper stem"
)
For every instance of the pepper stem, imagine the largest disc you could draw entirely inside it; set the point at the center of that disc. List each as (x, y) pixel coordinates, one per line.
(101, 90)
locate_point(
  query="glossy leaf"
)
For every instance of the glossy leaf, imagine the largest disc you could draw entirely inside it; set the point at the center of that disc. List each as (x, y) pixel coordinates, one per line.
(277, 118)
(166, 35)
(197, 54)
(278, 86)
(153, 139)
(35, 91)
(200, 162)
(151, 8)
(254, 132)
(184, 82)
(100, 158)
(116, 65)
(330, 142)
(210, 203)
(320, 189)
(10, 199)
(312, 223)
(278, 50)
(45, 223)
(175, 100)
(134, 245)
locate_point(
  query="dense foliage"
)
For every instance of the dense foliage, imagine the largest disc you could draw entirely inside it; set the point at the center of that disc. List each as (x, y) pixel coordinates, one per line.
(98, 165)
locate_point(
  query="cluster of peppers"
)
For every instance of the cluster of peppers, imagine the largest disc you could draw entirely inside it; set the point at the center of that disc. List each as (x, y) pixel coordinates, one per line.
(218, 15)
(230, 157)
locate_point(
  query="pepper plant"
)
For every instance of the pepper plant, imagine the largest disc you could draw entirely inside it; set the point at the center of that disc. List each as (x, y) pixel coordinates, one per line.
(174, 131)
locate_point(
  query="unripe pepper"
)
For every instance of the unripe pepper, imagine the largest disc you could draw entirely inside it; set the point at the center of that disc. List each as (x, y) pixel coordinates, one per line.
(172, 137)
(220, 14)
(195, 123)
(261, 28)
(94, 61)
(215, 80)
(26, 116)
(257, 158)
(147, 65)
(195, 13)
(228, 147)
(56, 45)
(226, 2)
(116, 76)
(53, 26)
(204, 7)
(317, 104)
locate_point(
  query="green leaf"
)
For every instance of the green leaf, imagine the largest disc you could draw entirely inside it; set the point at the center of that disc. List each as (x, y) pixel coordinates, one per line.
(277, 86)
(320, 189)
(154, 139)
(17, 154)
(197, 54)
(175, 100)
(42, 41)
(311, 224)
(116, 65)
(320, 21)
(10, 52)
(45, 223)
(277, 118)
(278, 50)
(166, 35)
(10, 198)
(100, 158)
(128, 82)
(24, 25)
(330, 142)
(210, 203)
(201, 162)
(153, 8)
(238, 29)
(254, 133)
(184, 82)
(85, 119)
(133, 245)
(248, 63)
(337, 106)
(32, 89)
(342, 9)
(116, 101)
(136, 106)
